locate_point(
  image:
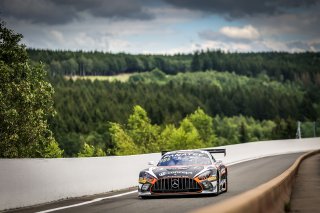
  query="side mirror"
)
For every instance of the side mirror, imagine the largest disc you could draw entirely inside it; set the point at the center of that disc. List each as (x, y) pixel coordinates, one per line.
(151, 163)
(219, 161)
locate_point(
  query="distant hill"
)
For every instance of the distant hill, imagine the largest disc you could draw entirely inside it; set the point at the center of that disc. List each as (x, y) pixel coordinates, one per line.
(281, 66)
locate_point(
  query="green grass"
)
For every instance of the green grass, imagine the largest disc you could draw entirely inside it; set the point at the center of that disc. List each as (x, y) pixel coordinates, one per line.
(120, 77)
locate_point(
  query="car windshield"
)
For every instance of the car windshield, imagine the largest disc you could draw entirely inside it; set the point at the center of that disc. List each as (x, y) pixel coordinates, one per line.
(185, 158)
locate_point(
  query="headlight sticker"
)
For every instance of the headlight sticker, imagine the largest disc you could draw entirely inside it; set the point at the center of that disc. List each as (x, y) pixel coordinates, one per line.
(146, 178)
(212, 178)
(205, 175)
(142, 180)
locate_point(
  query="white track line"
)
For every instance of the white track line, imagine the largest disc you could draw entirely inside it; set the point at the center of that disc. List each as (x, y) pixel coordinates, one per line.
(88, 202)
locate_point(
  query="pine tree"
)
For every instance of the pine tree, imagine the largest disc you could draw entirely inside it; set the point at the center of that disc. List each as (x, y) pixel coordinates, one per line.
(195, 64)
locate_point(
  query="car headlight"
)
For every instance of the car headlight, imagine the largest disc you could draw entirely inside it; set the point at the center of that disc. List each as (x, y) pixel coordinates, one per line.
(145, 177)
(207, 175)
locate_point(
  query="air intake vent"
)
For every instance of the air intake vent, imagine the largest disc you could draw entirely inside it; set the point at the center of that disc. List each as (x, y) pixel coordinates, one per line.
(167, 185)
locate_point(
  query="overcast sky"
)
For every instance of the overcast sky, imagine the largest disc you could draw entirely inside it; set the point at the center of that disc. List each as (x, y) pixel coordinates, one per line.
(166, 26)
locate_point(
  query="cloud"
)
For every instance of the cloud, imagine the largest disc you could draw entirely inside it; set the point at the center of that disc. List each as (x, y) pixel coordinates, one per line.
(165, 26)
(304, 23)
(291, 46)
(123, 35)
(294, 31)
(65, 11)
(300, 46)
(36, 11)
(246, 34)
(57, 36)
(109, 9)
(250, 39)
(241, 8)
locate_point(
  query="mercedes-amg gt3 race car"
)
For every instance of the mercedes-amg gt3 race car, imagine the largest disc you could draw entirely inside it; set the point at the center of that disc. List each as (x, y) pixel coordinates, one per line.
(185, 172)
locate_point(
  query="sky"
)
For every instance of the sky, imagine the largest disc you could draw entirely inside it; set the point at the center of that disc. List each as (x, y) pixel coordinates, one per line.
(165, 26)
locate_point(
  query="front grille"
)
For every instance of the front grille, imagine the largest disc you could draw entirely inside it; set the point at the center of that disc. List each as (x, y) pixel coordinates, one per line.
(167, 185)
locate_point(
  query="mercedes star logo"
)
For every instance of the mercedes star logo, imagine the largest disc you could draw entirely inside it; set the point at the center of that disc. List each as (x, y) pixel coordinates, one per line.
(175, 183)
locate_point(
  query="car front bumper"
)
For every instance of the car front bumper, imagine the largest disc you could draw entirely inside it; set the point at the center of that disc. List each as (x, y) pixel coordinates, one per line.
(207, 187)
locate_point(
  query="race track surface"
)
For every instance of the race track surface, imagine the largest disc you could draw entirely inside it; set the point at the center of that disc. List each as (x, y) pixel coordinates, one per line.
(242, 177)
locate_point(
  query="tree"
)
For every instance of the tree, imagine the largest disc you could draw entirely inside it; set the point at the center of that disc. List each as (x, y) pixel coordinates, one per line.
(124, 143)
(25, 103)
(142, 132)
(196, 64)
(87, 151)
(204, 124)
(91, 151)
(184, 137)
(243, 133)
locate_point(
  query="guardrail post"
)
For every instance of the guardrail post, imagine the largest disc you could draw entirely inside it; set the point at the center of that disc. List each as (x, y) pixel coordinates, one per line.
(298, 135)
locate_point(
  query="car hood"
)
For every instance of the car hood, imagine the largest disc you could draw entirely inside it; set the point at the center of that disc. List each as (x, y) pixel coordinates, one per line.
(177, 171)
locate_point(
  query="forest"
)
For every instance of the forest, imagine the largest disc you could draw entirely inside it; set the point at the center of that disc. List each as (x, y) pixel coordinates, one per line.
(183, 101)
(154, 111)
(280, 66)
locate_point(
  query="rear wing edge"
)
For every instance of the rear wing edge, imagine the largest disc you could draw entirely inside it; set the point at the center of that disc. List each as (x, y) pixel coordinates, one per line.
(164, 152)
(213, 151)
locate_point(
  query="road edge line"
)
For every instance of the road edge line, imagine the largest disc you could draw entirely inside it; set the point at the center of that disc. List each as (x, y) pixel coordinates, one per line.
(87, 202)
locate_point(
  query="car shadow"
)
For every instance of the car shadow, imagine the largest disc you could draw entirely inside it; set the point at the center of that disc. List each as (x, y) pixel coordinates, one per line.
(176, 196)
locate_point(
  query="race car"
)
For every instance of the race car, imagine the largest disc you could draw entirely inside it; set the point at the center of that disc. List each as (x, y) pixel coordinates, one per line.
(185, 172)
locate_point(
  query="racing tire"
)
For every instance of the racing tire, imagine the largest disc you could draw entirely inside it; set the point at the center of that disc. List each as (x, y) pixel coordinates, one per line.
(226, 183)
(144, 197)
(218, 186)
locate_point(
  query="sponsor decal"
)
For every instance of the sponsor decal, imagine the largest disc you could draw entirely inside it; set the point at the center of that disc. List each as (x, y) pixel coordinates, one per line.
(177, 168)
(175, 173)
(162, 174)
(188, 154)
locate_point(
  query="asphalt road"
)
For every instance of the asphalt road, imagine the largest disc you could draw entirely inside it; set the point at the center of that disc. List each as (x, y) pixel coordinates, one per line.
(241, 177)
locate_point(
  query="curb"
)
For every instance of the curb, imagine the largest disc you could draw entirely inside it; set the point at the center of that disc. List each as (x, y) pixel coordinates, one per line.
(268, 197)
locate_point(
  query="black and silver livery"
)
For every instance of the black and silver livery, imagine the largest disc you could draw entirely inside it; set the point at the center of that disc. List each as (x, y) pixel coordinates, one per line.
(185, 172)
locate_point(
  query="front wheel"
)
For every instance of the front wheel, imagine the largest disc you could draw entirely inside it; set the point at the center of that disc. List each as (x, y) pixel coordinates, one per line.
(226, 183)
(218, 186)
